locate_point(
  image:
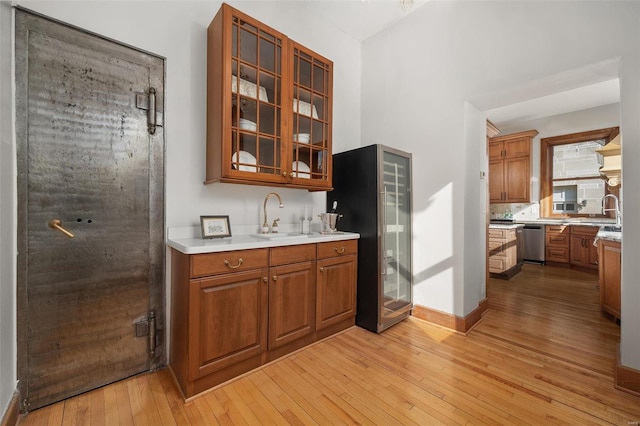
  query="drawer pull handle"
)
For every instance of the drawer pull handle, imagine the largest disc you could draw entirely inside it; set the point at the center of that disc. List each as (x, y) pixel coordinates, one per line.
(226, 262)
(339, 251)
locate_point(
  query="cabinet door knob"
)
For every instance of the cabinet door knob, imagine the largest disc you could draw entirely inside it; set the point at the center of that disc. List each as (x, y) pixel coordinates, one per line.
(226, 262)
(284, 173)
(339, 251)
(322, 269)
(265, 279)
(275, 277)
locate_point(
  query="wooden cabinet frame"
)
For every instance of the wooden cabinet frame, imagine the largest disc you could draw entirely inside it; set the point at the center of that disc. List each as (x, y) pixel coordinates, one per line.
(582, 251)
(510, 167)
(295, 101)
(610, 255)
(228, 319)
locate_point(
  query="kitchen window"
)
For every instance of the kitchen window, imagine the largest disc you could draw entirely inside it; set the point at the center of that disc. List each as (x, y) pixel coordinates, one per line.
(571, 184)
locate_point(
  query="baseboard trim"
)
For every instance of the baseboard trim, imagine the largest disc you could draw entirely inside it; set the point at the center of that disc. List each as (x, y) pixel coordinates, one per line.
(453, 322)
(626, 379)
(10, 417)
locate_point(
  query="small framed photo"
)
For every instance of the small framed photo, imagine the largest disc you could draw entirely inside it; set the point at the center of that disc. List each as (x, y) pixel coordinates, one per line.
(215, 226)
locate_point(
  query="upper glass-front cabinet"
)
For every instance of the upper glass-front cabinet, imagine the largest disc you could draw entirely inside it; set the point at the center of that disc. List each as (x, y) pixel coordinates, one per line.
(268, 107)
(311, 133)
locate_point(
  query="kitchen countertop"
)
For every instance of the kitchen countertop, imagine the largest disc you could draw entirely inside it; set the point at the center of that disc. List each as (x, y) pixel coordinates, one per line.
(505, 226)
(194, 245)
(608, 235)
(584, 222)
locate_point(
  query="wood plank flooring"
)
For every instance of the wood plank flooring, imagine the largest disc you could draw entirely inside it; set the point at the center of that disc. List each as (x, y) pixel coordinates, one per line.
(542, 354)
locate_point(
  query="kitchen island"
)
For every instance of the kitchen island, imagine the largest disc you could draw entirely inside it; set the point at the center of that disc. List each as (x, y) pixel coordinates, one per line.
(505, 249)
(238, 303)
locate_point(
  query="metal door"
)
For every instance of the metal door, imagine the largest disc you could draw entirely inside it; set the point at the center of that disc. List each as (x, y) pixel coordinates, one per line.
(90, 210)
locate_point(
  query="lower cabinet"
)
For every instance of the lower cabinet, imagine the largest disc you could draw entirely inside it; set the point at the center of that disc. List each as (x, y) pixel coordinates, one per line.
(228, 320)
(503, 253)
(336, 296)
(610, 263)
(557, 243)
(292, 307)
(582, 251)
(234, 311)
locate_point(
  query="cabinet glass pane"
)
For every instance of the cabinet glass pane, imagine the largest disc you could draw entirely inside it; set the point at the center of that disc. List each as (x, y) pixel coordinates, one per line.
(248, 44)
(397, 232)
(320, 77)
(311, 104)
(256, 83)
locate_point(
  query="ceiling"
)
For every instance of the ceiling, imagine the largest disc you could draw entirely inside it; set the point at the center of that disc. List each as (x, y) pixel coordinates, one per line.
(571, 91)
(578, 99)
(362, 19)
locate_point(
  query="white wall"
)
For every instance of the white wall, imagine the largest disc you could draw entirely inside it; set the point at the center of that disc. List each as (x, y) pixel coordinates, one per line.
(419, 75)
(177, 31)
(7, 218)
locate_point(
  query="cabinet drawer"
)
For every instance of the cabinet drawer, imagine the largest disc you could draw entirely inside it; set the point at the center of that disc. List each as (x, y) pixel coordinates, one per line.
(560, 240)
(337, 248)
(557, 254)
(228, 261)
(497, 265)
(556, 229)
(292, 254)
(498, 233)
(497, 247)
(587, 231)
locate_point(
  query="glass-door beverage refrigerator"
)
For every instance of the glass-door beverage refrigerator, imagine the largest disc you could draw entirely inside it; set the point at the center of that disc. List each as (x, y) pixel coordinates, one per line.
(372, 188)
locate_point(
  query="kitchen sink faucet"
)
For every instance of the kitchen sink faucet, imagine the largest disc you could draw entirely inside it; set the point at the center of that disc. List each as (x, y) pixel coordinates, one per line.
(616, 207)
(265, 225)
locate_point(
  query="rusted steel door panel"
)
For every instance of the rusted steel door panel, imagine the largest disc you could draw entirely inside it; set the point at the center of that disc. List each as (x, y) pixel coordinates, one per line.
(87, 160)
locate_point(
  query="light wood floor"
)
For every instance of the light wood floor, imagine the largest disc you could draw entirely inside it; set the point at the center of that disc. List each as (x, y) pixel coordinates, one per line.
(542, 354)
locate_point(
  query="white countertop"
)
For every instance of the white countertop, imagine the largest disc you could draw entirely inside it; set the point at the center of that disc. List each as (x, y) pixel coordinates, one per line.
(506, 226)
(196, 245)
(581, 221)
(608, 235)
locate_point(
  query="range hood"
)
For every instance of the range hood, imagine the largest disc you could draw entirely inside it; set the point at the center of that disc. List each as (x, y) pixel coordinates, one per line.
(612, 161)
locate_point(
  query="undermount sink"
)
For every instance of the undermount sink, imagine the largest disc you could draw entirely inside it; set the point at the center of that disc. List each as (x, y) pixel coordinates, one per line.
(280, 235)
(611, 228)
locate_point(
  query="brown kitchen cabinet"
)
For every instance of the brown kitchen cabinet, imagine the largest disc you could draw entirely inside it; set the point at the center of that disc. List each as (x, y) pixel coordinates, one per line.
(234, 311)
(292, 289)
(610, 256)
(269, 106)
(582, 251)
(228, 321)
(557, 243)
(510, 167)
(337, 271)
(503, 253)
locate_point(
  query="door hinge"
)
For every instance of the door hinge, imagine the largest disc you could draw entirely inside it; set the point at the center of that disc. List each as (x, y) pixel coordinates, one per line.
(147, 328)
(148, 102)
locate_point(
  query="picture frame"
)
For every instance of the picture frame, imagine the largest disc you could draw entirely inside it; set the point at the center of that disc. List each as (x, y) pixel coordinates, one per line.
(215, 226)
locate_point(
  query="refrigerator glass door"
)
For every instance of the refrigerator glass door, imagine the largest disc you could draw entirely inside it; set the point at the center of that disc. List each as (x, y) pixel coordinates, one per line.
(396, 229)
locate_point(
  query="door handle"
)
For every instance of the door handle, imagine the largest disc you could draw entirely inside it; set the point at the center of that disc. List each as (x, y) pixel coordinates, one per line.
(57, 224)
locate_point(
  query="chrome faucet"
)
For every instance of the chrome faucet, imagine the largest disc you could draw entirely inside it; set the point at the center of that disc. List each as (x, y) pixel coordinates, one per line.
(265, 225)
(616, 207)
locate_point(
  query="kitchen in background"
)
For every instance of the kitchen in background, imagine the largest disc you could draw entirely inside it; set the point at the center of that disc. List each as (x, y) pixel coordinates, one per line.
(580, 176)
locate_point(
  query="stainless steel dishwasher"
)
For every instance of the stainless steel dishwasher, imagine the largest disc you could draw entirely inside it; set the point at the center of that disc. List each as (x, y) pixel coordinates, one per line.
(533, 243)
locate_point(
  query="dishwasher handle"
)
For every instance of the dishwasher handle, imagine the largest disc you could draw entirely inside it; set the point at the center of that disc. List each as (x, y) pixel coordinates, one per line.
(533, 227)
